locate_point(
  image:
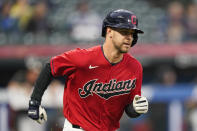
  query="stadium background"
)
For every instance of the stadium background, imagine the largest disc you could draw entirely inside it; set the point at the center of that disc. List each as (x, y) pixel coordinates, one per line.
(31, 31)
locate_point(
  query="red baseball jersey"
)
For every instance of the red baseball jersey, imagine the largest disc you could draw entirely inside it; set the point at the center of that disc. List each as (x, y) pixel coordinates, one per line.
(96, 91)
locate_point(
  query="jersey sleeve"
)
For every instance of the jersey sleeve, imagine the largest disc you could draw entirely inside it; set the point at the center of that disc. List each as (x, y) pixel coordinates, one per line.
(137, 90)
(64, 64)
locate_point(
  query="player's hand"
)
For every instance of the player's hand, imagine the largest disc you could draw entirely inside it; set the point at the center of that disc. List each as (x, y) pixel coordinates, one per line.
(140, 104)
(36, 112)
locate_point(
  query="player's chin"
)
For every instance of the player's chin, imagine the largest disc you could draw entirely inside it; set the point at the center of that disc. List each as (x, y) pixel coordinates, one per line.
(125, 49)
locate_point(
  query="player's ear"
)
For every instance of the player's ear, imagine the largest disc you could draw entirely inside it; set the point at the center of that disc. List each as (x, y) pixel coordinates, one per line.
(109, 32)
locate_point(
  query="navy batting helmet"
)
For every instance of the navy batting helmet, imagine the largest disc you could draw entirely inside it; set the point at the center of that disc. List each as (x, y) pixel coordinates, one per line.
(122, 19)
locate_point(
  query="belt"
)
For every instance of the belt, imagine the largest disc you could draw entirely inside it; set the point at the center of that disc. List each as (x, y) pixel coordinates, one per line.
(76, 126)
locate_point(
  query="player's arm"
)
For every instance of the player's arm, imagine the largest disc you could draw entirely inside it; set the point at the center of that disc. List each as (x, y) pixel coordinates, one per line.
(60, 65)
(139, 104)
(35, 111)
(137, 107)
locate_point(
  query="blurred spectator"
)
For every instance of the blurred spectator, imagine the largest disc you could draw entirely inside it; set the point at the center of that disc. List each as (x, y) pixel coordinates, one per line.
(84, 24)
(7, 24)
(19, 90)
(166, 75)
(22, 11)
(173, 25)
(191, 108)
(191, 23)
(20, 86)
(38, 22)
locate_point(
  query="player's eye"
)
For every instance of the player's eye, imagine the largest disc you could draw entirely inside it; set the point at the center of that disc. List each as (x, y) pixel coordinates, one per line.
(125, 32)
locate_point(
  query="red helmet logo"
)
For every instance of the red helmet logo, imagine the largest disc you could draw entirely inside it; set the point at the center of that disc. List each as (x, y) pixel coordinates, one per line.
(133, 19)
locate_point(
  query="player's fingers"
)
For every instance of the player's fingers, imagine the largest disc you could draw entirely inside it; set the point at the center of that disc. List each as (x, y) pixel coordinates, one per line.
(141, 105)
(141, 109)
(141, 100)
(42, 115)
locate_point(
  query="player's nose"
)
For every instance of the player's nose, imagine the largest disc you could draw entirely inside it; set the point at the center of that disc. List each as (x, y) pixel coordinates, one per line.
(129, 37)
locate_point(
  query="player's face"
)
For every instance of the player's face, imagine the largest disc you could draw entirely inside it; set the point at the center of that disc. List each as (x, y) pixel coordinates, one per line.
(122, 39)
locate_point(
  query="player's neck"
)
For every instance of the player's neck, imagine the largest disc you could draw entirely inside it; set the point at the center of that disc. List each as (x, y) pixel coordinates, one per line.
(112, 55)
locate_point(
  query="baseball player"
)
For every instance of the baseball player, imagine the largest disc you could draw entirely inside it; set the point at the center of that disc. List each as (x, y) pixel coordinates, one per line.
(101, 82)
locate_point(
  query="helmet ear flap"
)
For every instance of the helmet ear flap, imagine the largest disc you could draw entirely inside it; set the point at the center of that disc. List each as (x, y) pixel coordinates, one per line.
(135, 38)
(103, 33)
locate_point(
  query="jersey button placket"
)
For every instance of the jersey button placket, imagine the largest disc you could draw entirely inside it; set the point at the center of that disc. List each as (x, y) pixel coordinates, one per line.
(104, 101)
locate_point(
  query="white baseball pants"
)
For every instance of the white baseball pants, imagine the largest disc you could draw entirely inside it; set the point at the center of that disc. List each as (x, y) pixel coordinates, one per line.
(69, 127)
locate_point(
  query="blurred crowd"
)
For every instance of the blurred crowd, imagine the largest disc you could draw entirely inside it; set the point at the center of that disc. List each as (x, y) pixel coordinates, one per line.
(32, 21)
(29, 22)
(19, 17)
(180, 23)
